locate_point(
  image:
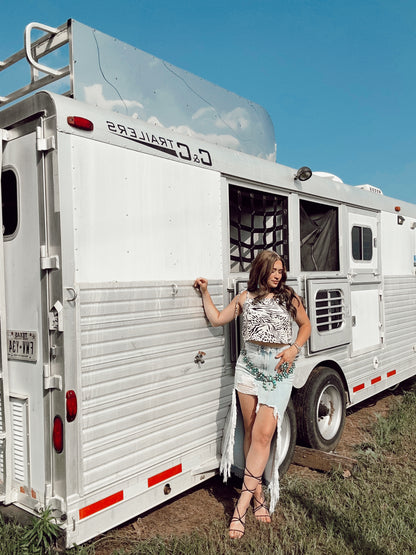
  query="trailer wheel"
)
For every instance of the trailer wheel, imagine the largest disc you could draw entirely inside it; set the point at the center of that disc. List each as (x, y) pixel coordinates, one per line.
(287, 439)
(320, 409)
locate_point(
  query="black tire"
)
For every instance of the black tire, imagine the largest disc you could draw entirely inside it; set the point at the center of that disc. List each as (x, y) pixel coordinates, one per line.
(320, 410)
(287, 443)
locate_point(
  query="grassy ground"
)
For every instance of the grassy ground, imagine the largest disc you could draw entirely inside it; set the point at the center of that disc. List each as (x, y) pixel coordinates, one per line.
(372, 513)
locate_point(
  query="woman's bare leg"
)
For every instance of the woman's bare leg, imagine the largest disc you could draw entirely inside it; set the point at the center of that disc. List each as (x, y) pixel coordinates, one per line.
(259, 429)
(261, 436)
(248, 404)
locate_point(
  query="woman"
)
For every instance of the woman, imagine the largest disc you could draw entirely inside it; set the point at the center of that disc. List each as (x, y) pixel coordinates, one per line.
(263, 373)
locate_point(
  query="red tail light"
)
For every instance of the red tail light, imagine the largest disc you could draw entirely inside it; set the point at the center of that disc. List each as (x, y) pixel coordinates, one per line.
(71, 405)
(80, 123)
(58, 434)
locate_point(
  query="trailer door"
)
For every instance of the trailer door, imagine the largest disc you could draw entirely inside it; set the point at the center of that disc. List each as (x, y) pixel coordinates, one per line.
(364, 272)
(26, 314)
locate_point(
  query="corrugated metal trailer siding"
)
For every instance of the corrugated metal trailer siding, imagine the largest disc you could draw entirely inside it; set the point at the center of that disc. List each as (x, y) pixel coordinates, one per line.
(372, 372)
(400, 321)
(144, 399)
(2, 450)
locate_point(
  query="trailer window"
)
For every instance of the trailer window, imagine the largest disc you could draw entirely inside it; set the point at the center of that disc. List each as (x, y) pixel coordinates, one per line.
(330, 312)
(9, 202)
(362, 243)
(319, 243)
(258, 221)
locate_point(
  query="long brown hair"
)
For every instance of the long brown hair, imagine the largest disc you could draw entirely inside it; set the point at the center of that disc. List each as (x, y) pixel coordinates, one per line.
(261, 268)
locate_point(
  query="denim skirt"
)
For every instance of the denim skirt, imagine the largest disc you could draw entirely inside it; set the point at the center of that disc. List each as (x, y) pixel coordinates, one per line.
(255, 374)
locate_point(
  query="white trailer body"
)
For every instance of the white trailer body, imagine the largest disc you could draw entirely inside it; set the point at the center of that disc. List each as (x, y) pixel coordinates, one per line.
(115, 389)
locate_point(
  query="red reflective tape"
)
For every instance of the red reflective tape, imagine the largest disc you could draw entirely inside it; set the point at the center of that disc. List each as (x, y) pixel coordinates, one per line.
(390, 374)
(100, 505)
(358, 387)
(165, 475)
(375, 380)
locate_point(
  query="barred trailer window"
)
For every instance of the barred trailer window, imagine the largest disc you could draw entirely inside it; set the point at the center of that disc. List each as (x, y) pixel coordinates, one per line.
(330, 309)
(258, 221)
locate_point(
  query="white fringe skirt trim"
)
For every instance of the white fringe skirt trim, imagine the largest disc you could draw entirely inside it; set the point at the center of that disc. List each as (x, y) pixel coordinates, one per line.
(227, 457)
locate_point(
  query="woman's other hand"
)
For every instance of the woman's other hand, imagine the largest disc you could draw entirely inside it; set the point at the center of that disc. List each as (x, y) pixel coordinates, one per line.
(287, 356)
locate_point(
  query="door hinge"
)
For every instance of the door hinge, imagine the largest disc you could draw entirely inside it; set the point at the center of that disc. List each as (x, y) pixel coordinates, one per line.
(51, 382)
(54, 501)
(43, 144)
(48, 262)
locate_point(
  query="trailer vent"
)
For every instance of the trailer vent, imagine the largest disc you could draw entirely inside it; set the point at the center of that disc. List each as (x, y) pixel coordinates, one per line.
(330, 309)
(19, 441)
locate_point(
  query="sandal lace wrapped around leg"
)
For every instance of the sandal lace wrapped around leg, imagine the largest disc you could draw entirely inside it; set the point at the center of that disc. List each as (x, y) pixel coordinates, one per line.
(239, 518)
(260, 502)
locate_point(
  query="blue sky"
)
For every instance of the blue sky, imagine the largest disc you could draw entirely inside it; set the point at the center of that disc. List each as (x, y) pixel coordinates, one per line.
(336, 77)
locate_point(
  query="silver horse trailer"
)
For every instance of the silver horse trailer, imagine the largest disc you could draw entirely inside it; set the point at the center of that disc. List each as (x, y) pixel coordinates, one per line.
(117, 191)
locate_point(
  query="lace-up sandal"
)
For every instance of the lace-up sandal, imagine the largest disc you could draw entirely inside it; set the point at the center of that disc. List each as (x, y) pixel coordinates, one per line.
(261, 505)
(240, 517)
(261, 502)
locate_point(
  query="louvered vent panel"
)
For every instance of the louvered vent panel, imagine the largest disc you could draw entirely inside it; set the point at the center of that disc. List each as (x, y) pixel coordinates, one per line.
(19, 444)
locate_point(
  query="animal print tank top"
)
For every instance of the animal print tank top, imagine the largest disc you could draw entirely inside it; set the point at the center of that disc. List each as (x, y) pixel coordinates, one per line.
(266, 321)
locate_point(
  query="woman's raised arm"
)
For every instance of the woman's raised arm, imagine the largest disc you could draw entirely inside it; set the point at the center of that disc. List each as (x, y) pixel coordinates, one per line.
(216, 317)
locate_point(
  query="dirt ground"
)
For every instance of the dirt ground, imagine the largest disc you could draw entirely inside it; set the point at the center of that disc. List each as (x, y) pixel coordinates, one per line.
(213, 499)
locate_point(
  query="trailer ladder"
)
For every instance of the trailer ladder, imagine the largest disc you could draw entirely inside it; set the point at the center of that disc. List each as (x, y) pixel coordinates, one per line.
(53, 39)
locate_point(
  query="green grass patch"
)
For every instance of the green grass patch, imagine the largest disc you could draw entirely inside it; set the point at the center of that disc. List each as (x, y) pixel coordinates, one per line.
(372, 512)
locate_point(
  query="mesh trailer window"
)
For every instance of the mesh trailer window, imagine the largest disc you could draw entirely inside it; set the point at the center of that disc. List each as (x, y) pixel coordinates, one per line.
(258, 221)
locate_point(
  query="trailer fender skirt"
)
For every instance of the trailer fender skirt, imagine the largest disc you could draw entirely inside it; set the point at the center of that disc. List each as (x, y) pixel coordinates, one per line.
(100, 505)
(165, 475)
(373, 381)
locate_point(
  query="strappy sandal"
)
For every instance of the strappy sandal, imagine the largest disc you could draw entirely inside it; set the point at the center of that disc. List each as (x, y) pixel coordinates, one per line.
(239, 519)
(261, 503)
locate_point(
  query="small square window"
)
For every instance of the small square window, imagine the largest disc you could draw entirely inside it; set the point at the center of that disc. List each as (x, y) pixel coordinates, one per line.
(318, 237)
(9, 203)
(362, 243)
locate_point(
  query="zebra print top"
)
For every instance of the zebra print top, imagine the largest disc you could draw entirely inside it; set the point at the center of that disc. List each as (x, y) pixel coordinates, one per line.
(266, 321)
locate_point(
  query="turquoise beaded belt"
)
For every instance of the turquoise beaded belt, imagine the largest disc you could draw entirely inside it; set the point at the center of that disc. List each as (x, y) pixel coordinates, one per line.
(269, 382)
